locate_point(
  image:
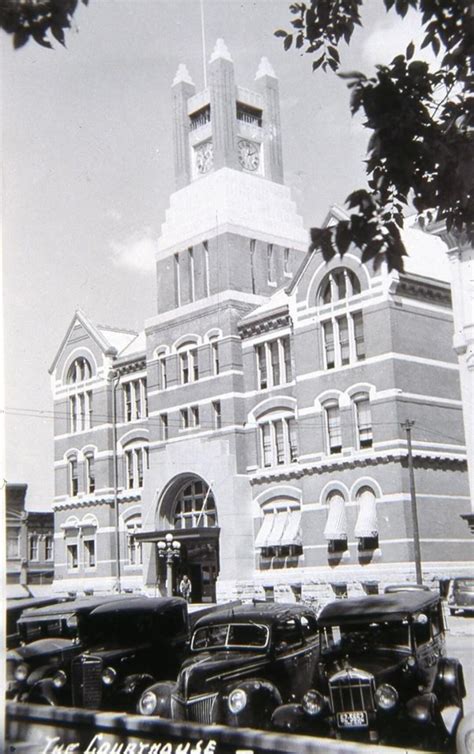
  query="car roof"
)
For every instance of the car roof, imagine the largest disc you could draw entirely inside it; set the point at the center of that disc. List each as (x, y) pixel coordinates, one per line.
(141, 605)
(264, 612)
(406, 587)
(30, 603)
(74, 607)
(381, 607)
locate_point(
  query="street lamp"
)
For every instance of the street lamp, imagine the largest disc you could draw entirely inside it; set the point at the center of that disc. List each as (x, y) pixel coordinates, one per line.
(169, 548)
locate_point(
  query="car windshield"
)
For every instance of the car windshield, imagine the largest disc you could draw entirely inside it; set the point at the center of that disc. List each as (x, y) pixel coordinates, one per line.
(464, 584)
(131, 628)
(385, 634)
(230, 636)
(42, 629)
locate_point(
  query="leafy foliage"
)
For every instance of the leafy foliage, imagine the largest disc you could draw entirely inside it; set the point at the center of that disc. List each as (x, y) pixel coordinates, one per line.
(421, 150)
(36, 19)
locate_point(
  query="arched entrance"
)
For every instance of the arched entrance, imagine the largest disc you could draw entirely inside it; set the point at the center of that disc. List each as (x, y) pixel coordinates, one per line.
(189, 509)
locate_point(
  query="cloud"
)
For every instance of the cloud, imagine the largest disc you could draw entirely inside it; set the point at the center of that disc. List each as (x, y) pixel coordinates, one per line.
(136, 253)
(392, 36)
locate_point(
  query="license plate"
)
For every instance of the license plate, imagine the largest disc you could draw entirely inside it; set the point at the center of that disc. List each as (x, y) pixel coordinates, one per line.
(352, 719)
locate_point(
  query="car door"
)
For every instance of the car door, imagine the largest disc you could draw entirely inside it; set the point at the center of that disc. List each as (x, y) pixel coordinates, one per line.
(291, 661)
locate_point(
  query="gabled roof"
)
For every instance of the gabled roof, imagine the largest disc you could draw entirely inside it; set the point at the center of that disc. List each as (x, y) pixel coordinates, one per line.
(275, 304)
(110, 340)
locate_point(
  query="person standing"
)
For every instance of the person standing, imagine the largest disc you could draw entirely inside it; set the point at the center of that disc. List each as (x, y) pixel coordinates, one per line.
(185, 588)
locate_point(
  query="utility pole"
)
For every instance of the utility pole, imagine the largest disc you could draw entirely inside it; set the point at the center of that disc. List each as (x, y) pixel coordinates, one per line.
(407, 425)
(115, 377)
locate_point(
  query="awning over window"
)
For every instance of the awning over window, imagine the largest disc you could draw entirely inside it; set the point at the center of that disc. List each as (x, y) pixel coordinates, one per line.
(280, 529)
(336, 526)
(366, 525)
(292, 532)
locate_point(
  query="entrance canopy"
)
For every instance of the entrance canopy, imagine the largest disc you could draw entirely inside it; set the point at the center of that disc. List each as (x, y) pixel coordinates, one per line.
(182, 535)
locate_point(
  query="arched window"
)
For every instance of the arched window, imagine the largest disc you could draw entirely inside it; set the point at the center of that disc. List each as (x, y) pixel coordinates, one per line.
(90, 472)
(366, 528)
(338, 285)
(280, 533)
(79, 371)
(335, 531)
(277, 439)
(73, 476)
(188, 363)
(133, 525)
(195, 506)
(363, 420)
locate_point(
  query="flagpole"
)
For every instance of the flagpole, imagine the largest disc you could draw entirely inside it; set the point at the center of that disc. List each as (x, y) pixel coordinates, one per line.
(203, 40)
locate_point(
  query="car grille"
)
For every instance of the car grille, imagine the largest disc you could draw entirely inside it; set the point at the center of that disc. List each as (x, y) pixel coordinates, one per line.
(351, 691)
(87, 682)
(199, 709)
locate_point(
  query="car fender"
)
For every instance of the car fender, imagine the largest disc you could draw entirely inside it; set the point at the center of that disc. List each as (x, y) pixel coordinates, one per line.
(38, 674)
(292, 718)
(43, 692)
(423, 709)
(262, 699)
(135, 684)
(163, 692)
(449, 684)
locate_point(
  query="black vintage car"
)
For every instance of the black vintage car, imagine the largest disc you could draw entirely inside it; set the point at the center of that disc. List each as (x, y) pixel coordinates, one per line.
(243, 662)
(17, 608)
(51, 636)
(130, 645)
(383, 675)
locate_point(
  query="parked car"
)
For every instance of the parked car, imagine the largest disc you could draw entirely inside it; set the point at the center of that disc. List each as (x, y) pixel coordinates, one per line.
(461, 596)
(16, 608)
(383, 675)
(406, 587)
(63, 636)
(243, 663)
(130, 645)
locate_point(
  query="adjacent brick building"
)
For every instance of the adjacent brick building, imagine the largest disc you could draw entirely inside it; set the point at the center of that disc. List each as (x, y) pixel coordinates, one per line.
(258, 416)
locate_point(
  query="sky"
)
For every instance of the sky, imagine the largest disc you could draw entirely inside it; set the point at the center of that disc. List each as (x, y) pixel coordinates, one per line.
(87, 171)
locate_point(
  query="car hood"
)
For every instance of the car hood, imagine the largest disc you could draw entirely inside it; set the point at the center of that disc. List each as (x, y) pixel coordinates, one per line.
(384, 665)
(210, 670)
(42, 648)
(113, 653)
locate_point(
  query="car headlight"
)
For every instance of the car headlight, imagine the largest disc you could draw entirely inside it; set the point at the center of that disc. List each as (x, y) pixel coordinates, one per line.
(147, 703)
(313, 702)
(21, 672)
(237, 700)
(386, 696)
(108, 676)
(60, 679)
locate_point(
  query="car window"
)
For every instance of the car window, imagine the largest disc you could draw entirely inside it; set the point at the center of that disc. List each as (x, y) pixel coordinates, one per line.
(287, 634)
(385, 633)
(421, 632)
(309, 626)
(230, 635)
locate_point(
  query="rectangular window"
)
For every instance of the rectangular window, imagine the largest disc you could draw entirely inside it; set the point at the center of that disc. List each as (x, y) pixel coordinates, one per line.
(129, 469)
(48, 547)
(73, 477)
(89, 408)
(293, 437)
(195, 363)
(13, 544)
(205, 246)
(89, 553)
(333, 419)
(286, 262)
(184, 361)
(216, 408)
(266, 438)
(90, 474)
(139, 456)
(137, 386)
(164, 426)
(72, 413)
(191, 274)
(359, 336)
(328, 332)
(184, 418)
(33, 547)
(177, 282)
(262, 366)
(162, 371)
(127, 396)
(285, 342)
(343, 330)
(215, 358)
(275, 362)
(252, 262)
(72, 560)
(270, 263)
(280, 442)
(364, 423)
(195, 415)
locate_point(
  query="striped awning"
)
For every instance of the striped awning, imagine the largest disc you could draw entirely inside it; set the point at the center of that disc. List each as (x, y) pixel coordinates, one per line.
(336, 525)
(292, 532)
(278, 528)
(261, 539)
(366, 524)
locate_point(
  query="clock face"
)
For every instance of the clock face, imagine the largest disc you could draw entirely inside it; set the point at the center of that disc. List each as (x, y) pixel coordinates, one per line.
(204, 157)
(249, 155)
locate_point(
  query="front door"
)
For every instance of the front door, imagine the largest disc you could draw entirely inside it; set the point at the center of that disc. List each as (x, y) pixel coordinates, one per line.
(199, 559)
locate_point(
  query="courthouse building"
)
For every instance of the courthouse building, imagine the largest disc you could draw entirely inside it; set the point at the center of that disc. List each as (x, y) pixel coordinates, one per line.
(258, 416)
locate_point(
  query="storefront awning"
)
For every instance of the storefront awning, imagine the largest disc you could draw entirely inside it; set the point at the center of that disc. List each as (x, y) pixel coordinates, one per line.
(198, 532)
(336, 525)
(279, 529)
(366, 524)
